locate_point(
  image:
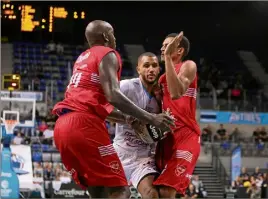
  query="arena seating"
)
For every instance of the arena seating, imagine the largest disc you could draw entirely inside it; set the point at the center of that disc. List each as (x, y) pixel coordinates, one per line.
(33, 63)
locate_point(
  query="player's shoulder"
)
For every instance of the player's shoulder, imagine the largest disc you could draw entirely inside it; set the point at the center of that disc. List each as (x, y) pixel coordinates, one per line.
(130, 82)
(189, 63)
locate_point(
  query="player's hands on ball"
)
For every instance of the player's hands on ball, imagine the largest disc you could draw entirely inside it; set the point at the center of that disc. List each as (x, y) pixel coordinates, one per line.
(173, 45)
(163, 121)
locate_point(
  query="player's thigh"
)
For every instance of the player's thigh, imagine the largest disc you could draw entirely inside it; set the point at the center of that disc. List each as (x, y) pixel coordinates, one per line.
(143, 176)
(178, 170)
(87, 152)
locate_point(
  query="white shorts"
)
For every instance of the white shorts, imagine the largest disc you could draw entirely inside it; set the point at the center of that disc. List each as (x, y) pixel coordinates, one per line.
(136, 165)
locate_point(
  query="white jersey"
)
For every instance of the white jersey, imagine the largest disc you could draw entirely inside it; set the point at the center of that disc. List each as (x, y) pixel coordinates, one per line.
(125, 137)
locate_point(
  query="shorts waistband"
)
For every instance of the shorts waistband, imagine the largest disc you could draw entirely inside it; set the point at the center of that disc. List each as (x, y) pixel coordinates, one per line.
(63, 111)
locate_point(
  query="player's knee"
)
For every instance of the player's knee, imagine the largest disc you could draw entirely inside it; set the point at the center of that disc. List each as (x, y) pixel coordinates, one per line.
(167, 192)
(149, 192)
(118, 192)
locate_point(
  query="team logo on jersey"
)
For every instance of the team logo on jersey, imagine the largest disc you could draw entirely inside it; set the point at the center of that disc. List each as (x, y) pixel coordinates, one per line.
(115, 166)
(179, 170)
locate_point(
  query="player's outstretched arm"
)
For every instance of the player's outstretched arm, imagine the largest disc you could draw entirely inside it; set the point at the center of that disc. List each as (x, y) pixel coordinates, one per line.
(178, 84)
(108, 77)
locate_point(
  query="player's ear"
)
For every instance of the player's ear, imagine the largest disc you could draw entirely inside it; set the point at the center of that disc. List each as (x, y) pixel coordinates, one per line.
(138, 69)
(105, 37)
(180, 51)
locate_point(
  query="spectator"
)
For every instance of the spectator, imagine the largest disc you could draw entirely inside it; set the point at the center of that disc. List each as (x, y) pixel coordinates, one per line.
(18, 139)
(65, 177)
(256, 134)
(235, 134)
(48, 135)
(48, 173)
(259, 181)
(237, 183)
(60, 48)
(244, 175)
(199, 187)
(190, 192)
(257, 172)
(206, 134)
(42, 127)
(221, 134)
(254, 191)
(263, 134)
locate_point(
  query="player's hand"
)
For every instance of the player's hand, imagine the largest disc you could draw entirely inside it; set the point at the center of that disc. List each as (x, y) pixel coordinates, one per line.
(163, 121)
(173, 45)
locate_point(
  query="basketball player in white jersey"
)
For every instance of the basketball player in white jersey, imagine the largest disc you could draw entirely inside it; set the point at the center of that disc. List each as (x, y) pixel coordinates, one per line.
(135, 154)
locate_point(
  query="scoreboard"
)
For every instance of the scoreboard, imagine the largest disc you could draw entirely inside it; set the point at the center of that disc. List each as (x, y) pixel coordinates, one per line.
(38, 18)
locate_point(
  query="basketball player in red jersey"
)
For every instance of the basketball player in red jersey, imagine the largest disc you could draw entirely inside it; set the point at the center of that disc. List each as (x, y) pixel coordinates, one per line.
(80, 132)
(177, 154)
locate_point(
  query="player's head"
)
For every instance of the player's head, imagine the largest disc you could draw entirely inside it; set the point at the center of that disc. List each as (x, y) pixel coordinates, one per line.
(182, 50)
(148, 67)
(100, 32)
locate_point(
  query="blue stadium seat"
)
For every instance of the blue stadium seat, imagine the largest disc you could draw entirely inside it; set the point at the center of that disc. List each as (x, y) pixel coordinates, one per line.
(45, 147)
(37, 157)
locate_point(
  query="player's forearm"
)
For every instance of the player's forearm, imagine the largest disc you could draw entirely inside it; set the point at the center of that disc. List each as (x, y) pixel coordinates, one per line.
(175, 85)
(117, 117)
(122, 103)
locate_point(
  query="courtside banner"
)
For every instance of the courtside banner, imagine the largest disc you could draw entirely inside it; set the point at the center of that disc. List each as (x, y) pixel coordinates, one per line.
(233, 117)
(38, 96)
(21, 159)
(236, 162)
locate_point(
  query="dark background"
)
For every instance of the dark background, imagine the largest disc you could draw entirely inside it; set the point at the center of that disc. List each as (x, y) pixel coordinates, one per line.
(208, 25)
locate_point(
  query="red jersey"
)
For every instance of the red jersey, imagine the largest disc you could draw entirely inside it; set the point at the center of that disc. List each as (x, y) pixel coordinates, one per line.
(184, 108)
(84, 92)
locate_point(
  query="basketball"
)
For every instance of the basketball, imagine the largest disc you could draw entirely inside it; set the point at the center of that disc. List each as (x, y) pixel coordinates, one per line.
(150, 134)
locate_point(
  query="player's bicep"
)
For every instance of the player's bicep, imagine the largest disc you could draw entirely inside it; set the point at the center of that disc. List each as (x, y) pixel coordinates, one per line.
(187, 74)
(108, 74)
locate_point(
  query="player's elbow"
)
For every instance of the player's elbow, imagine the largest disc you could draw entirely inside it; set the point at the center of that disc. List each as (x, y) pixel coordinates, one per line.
(113, 97)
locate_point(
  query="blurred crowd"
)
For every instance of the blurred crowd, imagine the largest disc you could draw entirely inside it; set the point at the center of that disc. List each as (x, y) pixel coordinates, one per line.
(260, 135)
(196, 189)
(255, 183)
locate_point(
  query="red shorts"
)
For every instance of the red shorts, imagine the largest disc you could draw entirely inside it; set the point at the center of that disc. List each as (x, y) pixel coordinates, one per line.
(87, 152)
(176, 157)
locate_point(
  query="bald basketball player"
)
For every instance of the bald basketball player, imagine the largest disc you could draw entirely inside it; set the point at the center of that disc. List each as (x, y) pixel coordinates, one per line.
(177, 154)
(90, 98)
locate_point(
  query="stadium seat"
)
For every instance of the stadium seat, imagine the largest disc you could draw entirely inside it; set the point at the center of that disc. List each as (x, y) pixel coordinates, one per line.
(56, 157)
(46, 157)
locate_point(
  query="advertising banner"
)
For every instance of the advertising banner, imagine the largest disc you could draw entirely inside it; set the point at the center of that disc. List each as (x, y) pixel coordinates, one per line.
(236, 162)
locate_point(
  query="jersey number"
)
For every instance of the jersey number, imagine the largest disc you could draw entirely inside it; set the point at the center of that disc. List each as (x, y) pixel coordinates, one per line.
(75, 79)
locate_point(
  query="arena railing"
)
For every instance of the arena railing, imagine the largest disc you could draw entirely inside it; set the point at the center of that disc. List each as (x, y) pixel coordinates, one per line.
(219, 168)
(250, 101)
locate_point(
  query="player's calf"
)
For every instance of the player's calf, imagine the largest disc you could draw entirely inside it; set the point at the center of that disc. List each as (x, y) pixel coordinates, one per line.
(167, 192)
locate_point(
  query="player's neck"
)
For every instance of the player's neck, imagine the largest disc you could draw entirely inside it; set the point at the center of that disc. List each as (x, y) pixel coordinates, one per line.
(176, 61)
(147, 87)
